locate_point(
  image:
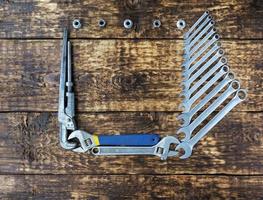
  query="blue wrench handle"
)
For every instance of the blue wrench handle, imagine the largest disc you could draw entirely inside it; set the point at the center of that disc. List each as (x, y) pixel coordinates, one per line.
(129, 140)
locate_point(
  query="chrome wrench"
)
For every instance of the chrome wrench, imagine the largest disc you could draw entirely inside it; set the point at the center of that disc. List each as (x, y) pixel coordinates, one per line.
(189, 99)
(186, 65)
(188, 92)
(200, 43)
(187, 130)
(188, 145)
(187, 73)
(198, 29)
(196, 24)
(188, 54)
(198, 37)
(222, 61)
(186, 117)
(161, 149)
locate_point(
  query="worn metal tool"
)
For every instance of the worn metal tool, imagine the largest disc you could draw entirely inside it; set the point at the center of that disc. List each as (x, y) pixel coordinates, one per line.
(208, 86)
(88, 141)
(66, 110)
(187, 116)
(81, 141)
(187, 130)
(162, 149)
(205, 69)
(188, 145)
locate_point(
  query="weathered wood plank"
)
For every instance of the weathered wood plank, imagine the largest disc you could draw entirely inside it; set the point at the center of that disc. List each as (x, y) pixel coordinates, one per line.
(114, 75)
(27, 19)
(29, 144)
(130, 187)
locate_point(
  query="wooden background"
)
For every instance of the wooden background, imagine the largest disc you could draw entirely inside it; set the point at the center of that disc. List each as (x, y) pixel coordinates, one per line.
(127, 81)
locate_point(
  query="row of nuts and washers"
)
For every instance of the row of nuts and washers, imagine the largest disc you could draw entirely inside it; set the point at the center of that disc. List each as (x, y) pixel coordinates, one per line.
(128, 23)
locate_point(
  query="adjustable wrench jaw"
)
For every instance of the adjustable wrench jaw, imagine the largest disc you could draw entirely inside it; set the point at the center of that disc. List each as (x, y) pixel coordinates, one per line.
(163, 147)
(86, 141)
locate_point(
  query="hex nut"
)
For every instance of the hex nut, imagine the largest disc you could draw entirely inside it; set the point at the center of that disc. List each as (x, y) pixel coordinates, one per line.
(181, 24)
(102, 23)
(76, 23)
(156, 23)
(127, 23)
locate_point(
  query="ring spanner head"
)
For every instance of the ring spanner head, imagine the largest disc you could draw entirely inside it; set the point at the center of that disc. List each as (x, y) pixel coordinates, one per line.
(85, 139)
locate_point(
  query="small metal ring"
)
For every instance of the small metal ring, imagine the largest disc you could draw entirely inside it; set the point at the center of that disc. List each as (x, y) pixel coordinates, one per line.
(102, 23)
(127, 23)
(181, 24)
(156, 23)
(76, 23)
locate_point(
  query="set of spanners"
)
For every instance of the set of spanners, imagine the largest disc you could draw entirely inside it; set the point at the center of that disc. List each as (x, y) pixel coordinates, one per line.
(208, 86)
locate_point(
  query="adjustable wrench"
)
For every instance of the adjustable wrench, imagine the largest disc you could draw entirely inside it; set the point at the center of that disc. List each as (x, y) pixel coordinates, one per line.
(190, 31)
(162, 149)
(186, 65)
(188, 145)
(186, 117)
(186, 84)
(187, 130)
(88, 141)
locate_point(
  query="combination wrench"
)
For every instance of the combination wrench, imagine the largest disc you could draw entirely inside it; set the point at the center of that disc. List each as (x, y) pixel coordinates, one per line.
(188, 145)
(186, 117)
(187, 83)
(187, 34)
(198, 29)
(187, 73)
(189, 100)
(187, 64)
(200, 43)
(162, 149)
(187, 130)
(188, 91)
(198, 37)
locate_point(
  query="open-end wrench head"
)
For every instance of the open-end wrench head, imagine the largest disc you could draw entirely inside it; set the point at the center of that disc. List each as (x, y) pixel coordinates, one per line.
(187, 150)
(185, 94)
(186, 133)
(184, 118)
(185, 106)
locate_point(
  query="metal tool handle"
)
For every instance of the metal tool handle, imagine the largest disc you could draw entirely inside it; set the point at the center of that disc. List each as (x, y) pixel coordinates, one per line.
(129, 140)
(117, 150)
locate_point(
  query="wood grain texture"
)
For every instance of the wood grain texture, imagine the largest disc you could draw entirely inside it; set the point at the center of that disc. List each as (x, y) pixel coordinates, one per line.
(42, 19)
(127, 81)
(29, 144)
(114, 75)
(131, 187)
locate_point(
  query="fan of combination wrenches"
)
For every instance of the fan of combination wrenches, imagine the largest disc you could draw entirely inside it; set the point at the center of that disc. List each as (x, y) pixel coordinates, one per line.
(209, 89)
